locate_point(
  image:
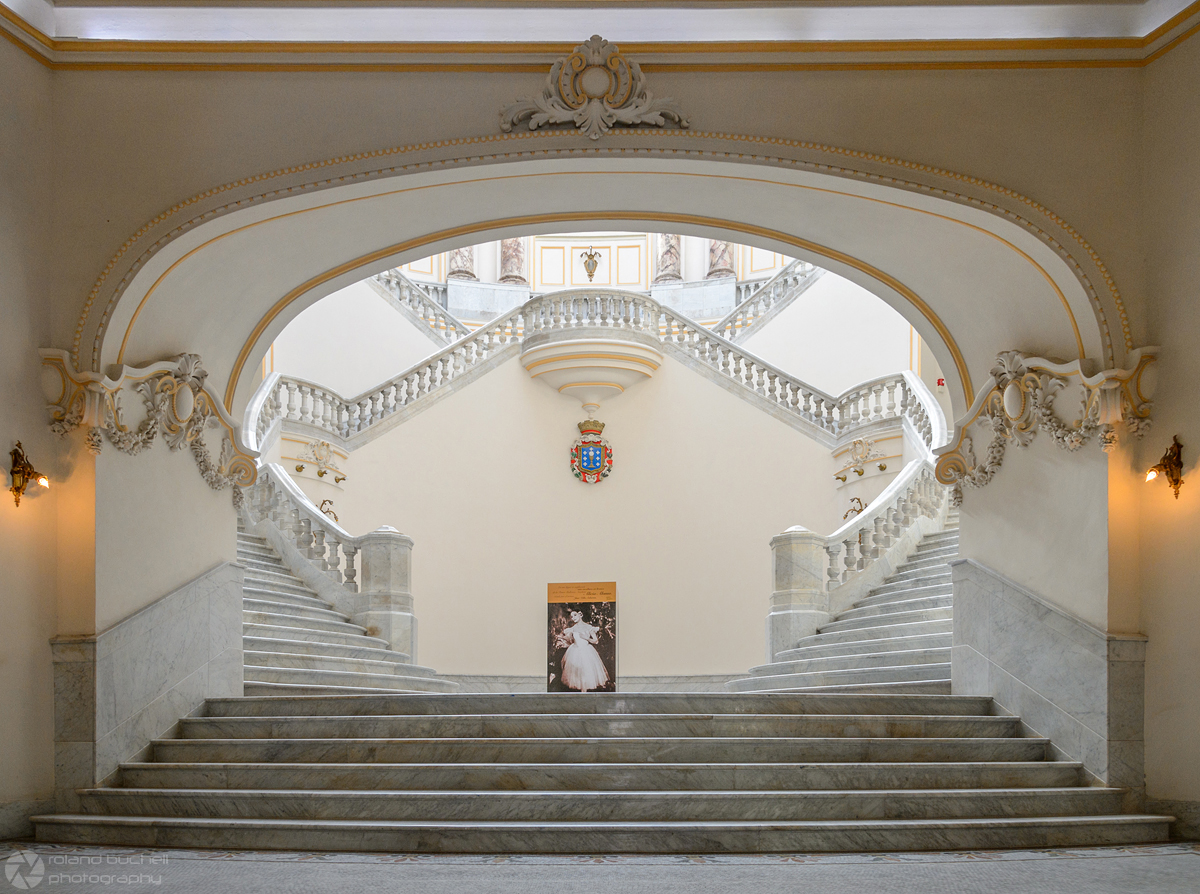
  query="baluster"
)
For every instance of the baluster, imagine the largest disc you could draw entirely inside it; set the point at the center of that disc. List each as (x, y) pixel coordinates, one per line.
(318, 548)
(833, 551)
(877, 402)
(293, 411)
(334, 562)
(773, 387)
(849, 559)
(878, 546)
(351, 551)
(891, 398)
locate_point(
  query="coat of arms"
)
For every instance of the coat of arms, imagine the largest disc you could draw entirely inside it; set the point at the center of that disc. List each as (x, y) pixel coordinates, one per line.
(591, 455)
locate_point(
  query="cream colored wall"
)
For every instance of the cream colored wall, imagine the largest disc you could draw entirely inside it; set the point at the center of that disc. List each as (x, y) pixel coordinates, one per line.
(28, 532)
(1170, 528)
(350, 341)
(481, 481)
(835, 335)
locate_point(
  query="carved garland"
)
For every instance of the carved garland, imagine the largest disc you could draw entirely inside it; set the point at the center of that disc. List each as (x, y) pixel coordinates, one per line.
(177, 405)
(1019, 401)
(593, 88)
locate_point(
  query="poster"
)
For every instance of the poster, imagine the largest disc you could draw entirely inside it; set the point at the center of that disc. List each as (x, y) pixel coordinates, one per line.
(582, 637)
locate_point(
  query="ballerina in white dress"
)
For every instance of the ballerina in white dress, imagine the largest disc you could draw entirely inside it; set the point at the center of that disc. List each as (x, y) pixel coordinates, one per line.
(582, 666)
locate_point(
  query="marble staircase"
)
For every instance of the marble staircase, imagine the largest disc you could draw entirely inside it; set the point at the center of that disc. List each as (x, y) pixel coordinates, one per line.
(600, 773)
(297, 644)
(896, 639)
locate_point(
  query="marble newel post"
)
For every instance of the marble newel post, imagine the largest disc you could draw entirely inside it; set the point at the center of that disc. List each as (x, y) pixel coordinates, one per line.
(462, 263)
(386, 589)
(799, 603)
(720, 259)
(512, 261)
(668, 266)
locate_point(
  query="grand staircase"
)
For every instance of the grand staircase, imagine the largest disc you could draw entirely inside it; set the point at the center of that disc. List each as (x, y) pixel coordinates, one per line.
(896, 639)
(578, 774)
(297, 644)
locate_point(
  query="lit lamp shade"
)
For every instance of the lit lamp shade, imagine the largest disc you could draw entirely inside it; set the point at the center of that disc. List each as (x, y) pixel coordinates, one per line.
(588, 367)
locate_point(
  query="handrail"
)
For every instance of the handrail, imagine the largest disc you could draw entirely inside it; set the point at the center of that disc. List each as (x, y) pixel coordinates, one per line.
(415, 299)
(775, 292)
(897, 397)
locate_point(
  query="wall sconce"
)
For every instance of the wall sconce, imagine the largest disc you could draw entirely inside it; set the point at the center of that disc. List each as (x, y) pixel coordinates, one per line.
(841, 478)
(883, 467)
(1170, 466)
(300, 467)
(23, 473)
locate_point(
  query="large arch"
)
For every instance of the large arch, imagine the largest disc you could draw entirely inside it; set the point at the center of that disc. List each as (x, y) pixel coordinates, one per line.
(974, 267)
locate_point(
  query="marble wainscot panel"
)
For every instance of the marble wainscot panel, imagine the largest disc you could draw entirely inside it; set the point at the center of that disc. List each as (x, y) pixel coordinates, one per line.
(116, 691)
(1068, 681)
(14, 816)
(698, 300)
(1187, 816)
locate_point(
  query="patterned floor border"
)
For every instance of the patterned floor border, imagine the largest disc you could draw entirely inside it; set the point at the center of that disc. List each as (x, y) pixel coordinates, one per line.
(165, 855)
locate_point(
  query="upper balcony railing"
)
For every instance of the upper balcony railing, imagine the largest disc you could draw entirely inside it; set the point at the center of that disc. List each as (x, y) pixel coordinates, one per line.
(899, 397)
(771, 296)
(425, 307)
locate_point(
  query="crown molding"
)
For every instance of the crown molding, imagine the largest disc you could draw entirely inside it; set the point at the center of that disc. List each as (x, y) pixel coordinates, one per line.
(1085, 51)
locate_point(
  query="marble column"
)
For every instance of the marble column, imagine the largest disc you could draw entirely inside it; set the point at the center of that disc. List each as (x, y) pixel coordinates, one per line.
(462, 263)
(720, 259)
(512, 261)
(668, 266)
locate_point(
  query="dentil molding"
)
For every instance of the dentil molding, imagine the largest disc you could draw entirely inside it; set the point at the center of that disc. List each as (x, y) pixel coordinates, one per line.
(1019, 401)
(593, 88)
(177, 404)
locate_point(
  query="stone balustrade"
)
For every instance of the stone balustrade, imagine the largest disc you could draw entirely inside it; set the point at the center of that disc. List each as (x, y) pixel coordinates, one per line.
(311, 407)
(366, 577)
(427, 307)
(771, 296)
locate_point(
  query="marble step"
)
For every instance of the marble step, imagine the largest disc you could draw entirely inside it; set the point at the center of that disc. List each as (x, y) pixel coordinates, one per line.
(598, 748)
(931, 585)
(914, 602)
(276, 579)
(606, 777)
(894, 618)
(916, 574)
(251, 539)
(478, 726)
(272, 595)
(252, 688)
(253, 602)
(905, 673)
(297, 660)
(354, 636)
(926, 562)
(927, 687)
(322, 649)
(287, 619)
(869, 646)
(261, 553)
(591, 837)
(930, 544)
(598, 703)
(588, 806)
(311, 677)
(882, 632)
(883, 658)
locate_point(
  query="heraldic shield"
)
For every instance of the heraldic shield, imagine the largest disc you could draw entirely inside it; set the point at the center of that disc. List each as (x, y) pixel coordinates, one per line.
(591, 455)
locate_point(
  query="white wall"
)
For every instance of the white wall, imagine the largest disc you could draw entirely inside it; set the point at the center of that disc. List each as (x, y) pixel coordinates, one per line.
(350, 341)
(835, 335)
(481, 481)
(27, 533)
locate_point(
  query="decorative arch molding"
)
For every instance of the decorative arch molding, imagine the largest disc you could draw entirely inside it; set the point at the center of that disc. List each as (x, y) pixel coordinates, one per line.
(1067, 266)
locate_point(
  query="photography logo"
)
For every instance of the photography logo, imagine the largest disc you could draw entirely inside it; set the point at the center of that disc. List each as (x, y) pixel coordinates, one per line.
(24, 870)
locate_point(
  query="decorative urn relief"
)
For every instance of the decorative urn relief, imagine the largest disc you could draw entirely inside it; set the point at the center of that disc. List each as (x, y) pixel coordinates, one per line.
(591, 364)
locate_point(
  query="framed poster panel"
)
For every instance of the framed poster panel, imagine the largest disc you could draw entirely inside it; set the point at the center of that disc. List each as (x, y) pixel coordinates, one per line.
(581, 653)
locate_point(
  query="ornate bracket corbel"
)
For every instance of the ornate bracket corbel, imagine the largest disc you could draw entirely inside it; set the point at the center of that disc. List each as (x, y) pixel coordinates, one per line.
(178, 405)
(1018, 401)
(594, 88)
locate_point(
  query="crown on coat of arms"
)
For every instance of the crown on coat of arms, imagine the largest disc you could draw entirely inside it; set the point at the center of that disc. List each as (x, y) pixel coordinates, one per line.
(591, 426)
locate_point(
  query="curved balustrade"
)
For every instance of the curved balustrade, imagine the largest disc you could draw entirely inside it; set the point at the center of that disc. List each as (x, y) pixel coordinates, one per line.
(328, 546)
(912, 494)
(417, 300)
(775, 292)
(897, 397)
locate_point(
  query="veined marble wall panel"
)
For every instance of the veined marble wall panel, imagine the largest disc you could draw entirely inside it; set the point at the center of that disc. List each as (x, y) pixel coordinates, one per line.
(1081, 687)
(118, 690)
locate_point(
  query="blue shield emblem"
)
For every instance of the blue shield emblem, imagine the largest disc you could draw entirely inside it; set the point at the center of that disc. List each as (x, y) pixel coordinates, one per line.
(591, 457)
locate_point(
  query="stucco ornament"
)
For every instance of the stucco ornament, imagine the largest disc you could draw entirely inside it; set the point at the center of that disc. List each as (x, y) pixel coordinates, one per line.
(1019, 401)
(176, 404)
(591, 455)
(594, 88)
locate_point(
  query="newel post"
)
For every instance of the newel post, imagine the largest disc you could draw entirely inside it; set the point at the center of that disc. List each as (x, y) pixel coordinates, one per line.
(385, 589)
(799, 603)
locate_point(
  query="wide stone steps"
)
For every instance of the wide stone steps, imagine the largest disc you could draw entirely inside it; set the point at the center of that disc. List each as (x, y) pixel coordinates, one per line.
(898, 617)
(867, 647)
(925, 586)
(890, 673)
(898, 605)
(593, 837)
(891, 658)
(295, 643)
(601, 806)
(601, 773)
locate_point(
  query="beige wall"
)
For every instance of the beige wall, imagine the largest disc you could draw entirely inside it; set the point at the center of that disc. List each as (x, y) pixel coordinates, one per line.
(27, 533)
(1170, 529)
(482, 482)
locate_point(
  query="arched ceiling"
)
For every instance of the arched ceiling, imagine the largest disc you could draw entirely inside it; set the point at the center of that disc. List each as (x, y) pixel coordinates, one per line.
(972, 277)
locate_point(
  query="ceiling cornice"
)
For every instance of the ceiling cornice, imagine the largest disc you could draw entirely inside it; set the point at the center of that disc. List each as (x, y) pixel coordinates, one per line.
(694, 56)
